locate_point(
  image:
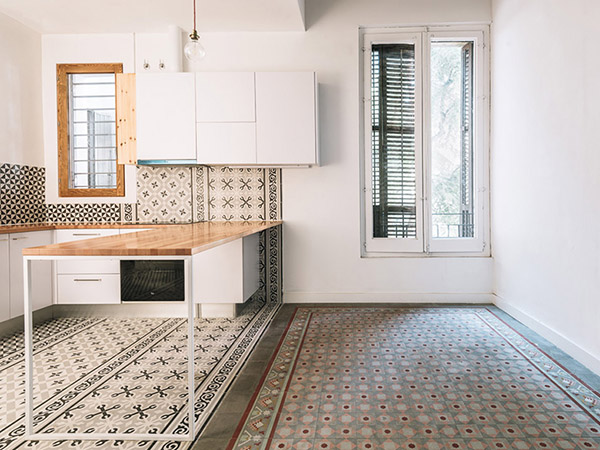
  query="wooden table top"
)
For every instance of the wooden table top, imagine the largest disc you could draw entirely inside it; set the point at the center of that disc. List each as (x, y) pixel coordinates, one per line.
(171, 240)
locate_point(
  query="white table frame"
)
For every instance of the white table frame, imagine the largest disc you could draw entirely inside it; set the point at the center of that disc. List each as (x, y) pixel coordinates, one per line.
(29, 407)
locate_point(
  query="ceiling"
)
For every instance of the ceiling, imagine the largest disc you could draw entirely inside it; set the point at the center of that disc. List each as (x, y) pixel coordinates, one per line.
(126, 16)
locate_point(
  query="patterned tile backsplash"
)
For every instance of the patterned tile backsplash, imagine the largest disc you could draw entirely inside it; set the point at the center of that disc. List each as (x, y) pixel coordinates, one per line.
(164, 194)
(22, 194)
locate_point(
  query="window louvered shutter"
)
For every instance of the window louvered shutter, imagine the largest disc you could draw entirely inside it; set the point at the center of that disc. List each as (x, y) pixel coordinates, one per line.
(466, 172)
(394, 178)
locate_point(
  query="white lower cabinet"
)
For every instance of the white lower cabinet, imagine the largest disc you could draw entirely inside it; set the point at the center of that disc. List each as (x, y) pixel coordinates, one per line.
(91, 266)
(227, 273)
(41, 272)
(4, 278)
(87, 281)
(89, 289)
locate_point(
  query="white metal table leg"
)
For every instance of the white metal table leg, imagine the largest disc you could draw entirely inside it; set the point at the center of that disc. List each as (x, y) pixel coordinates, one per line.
(28, 336)
(189, 293)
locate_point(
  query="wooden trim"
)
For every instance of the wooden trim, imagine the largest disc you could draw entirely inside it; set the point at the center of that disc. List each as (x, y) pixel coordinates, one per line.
(62, 102)
(126, 119)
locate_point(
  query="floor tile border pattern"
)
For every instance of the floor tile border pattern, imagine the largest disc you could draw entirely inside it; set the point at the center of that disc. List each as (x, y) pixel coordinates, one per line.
(581, 393)
(265, 405)
(208, 392)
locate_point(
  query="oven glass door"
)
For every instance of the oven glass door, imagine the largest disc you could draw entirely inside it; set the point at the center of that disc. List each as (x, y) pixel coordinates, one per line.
(150, 280)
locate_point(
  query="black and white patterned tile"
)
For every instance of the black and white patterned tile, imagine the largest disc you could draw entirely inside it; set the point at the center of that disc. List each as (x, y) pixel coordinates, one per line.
(200, 192)
(84, 212)
(236, 194)
(22, 194)
(124, 375)
(164, 194)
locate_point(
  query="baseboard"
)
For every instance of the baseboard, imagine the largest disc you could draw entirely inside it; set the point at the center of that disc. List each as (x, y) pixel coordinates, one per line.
(123, 310)
(384, 297)
(561, 341)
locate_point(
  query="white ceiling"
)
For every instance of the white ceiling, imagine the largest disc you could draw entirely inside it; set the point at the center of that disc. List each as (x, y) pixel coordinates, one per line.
(125, 16)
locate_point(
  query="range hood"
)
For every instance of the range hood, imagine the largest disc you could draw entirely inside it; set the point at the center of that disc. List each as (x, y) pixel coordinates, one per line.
(167, 162)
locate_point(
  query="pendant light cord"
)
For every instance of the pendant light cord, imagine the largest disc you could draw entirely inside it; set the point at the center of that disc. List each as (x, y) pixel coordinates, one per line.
(194, 14)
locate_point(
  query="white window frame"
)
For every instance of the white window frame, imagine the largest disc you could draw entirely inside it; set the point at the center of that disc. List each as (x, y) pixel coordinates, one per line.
(424, 244)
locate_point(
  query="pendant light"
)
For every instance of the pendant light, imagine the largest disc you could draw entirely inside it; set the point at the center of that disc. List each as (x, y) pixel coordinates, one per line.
(193, 50)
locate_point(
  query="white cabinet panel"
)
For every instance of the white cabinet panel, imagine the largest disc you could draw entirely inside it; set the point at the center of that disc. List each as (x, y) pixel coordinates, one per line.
(227, 273)
(89, 289)
(41, 272)
(91, 266)
(250, 248)
(286, 118)
(4, 278)
(166, 116)
(225, 97)
(226, 143)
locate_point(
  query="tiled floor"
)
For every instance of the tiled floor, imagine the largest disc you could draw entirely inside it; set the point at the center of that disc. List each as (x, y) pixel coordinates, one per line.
(115, 374)
(223, 424)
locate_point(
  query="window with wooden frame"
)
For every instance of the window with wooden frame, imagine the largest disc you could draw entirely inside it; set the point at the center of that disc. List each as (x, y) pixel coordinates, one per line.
(87, 131)
(426, 146)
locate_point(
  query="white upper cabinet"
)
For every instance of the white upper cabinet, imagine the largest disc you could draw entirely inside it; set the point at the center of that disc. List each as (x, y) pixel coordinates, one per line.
(225, 116)
(166, 116)
(225, 97)
(286, 118)
(230, 118)
(226, 143)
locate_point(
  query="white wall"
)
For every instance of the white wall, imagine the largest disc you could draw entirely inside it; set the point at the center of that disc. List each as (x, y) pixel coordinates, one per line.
(79, 48)
(20, 94)
(321, 206)
(546, 168)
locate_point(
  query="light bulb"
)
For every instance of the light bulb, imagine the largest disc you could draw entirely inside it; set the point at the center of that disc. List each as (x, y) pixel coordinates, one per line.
(193, 50)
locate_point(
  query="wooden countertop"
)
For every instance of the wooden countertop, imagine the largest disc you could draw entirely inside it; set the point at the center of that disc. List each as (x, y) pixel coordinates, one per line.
(171, 240)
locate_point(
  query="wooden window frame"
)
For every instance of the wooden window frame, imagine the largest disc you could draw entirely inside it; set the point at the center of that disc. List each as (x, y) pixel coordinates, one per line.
(62, 92)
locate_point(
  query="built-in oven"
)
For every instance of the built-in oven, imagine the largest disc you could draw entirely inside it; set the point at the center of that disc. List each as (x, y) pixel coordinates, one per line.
(152, 280)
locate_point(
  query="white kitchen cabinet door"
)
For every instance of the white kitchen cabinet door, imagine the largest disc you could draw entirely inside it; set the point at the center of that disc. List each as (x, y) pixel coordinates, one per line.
(227, 273)
(225, 97)
(41, 272)
(286, 121)
(166, 116)
(226, 143)
(85, 266)
(4, 278)
(91, 289)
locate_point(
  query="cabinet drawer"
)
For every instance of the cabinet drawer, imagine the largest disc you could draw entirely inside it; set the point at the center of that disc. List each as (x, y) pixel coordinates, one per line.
(88, 289)
(78, 235)
(98, 266)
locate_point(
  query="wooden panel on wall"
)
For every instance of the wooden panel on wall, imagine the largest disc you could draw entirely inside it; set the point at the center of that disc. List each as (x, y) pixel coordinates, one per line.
(126, 119)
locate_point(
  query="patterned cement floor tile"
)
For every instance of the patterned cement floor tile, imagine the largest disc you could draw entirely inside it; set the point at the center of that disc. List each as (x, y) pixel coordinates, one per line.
(416, 378)
(122, 375)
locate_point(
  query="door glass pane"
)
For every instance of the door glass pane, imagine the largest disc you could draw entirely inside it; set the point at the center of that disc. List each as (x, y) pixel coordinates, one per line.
(394, 181)
(452, 140)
